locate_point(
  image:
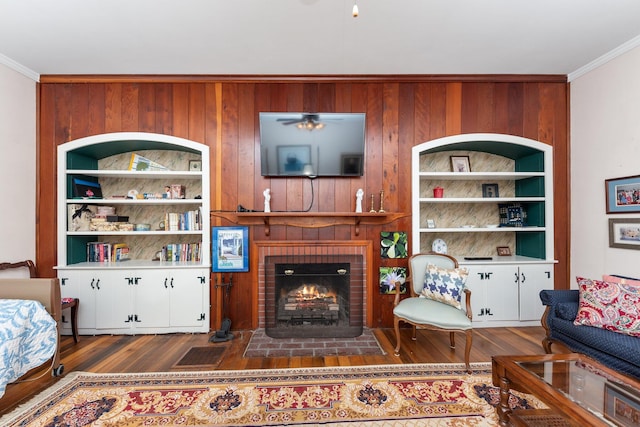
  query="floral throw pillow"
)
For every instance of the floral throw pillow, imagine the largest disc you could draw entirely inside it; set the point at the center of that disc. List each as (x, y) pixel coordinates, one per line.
(444, 284)
(611, 306)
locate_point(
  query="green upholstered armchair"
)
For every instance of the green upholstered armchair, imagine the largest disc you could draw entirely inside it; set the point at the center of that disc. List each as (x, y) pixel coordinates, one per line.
(440, 310)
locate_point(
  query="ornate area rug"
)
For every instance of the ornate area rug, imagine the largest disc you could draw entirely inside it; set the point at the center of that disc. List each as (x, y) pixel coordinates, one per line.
(383, 395)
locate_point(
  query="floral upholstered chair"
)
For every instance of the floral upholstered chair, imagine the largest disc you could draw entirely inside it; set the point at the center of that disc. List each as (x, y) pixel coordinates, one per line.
(438, 299)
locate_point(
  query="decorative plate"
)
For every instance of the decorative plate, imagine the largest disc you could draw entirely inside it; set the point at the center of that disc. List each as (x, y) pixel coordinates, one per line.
(439, 246)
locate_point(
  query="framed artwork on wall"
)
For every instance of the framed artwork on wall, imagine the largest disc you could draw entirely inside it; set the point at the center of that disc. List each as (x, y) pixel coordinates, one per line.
(623, 194)
(624, 233)
(392, 280)
(230, 249)
(393, 244)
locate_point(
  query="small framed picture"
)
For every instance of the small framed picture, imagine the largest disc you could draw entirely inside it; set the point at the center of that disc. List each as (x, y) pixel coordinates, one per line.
(621, 407)
(624, 233)
(195, 165)
(504, 251)
(623, 194)
(229, 249)
(431, 223)
(460, 164)
(490, 190)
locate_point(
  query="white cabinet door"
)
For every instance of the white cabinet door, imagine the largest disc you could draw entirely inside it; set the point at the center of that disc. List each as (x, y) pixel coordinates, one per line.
(170, 298)
(494, 292)
(189, 290)
(79, 284)
(532, 279)
(152, 298)
(114, 304)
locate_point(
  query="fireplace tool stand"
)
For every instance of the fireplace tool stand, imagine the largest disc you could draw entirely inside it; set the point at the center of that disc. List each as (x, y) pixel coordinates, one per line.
(223, 333)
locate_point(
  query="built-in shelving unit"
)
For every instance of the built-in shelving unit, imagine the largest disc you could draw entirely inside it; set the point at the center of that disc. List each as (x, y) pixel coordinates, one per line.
(143, 293)
(505, 287)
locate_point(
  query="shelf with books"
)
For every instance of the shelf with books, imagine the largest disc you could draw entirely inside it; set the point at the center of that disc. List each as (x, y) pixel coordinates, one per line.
(133, 244)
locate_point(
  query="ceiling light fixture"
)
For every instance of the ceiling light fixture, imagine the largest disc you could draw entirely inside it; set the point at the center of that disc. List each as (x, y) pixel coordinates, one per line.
(354, 11)
(310, 124)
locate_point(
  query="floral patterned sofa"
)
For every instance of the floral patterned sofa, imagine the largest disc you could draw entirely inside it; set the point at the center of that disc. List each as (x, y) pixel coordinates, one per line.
(599, 319)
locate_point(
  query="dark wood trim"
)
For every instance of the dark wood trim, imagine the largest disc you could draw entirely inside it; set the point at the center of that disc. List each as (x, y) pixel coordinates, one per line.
(318, 78)
(309, 219)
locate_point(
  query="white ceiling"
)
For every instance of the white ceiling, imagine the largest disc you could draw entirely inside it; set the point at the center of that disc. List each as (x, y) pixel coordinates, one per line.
(302, 37)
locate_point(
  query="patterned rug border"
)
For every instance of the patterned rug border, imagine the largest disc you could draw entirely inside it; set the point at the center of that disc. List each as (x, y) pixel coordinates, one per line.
(263, 376)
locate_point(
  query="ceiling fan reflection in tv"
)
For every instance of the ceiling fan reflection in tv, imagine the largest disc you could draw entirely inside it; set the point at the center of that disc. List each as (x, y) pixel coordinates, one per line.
(307, 121)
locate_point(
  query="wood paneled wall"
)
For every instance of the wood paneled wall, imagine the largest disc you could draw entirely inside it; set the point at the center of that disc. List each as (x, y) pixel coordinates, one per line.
(222, 112)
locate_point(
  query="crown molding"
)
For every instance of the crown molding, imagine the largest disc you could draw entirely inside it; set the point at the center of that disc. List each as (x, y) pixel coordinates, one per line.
(609, 56)
(5, 60)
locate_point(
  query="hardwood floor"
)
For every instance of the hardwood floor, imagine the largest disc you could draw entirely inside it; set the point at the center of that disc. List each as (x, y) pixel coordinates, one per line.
(159, 353)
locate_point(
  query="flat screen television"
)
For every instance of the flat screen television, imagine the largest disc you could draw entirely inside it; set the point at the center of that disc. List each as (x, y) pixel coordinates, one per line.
(312, 144)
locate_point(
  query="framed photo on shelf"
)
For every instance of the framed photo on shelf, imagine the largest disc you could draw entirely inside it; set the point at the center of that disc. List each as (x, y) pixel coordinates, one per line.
(624, 233)
(623, 194)
(431, 223)
(621, 407)
(490, 190)
(230, 249)
(503, 251)
(460, 164)
(195, 165)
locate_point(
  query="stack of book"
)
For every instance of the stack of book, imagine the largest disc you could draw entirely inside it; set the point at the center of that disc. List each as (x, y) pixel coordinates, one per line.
(181, 252)
(190, 220)
(107, 252)
(98, 252)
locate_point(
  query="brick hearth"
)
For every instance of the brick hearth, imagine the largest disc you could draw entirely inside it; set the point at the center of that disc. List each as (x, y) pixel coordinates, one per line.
(311, 248)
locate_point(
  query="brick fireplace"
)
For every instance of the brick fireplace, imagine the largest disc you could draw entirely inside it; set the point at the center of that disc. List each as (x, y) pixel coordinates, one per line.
(313, 251)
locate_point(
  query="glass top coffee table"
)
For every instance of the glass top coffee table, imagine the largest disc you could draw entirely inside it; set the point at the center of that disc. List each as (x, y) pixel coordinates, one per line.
(578, 390)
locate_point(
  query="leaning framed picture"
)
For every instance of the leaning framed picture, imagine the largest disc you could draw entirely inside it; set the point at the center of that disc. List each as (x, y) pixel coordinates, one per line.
(503, 250)
(230, 249)
(624, 233)
(460, 164)
(490, 190)
(621, 407)
(623, 194)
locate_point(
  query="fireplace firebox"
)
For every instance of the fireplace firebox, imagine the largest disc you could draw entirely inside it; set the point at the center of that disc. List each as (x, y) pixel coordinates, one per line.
(313, 299)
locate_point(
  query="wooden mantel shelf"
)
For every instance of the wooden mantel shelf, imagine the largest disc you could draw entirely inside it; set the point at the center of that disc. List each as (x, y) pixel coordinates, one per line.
(309, 219)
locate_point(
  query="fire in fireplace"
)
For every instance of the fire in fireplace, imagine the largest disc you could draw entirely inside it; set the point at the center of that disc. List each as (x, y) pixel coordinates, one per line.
(313, 300)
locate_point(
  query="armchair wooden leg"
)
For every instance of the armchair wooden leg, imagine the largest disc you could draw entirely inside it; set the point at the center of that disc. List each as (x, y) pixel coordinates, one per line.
(396, 326)
(452, 339)
(467, 349)
(414, 337)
